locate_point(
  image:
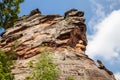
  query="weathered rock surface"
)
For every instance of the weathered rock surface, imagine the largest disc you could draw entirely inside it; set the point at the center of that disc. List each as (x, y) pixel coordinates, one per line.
(64, 35)
(80, 67)
(70, 63)
(33, 30)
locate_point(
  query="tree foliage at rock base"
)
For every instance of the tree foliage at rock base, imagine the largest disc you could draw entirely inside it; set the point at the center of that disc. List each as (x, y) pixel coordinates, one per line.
(5, 62)
(45, 69)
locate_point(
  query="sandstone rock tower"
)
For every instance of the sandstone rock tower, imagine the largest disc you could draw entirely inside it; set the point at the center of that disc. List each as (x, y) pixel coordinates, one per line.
(64, 35)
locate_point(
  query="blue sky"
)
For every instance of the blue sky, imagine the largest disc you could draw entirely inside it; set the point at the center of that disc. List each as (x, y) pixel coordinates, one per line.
(56, 7)
(102, 20)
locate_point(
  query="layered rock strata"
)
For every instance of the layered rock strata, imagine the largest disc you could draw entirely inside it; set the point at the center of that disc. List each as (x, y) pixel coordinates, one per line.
(33, 30)
(70, 64)
(65, 36)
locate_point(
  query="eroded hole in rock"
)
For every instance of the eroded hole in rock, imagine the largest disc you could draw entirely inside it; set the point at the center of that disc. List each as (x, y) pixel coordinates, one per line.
(78, 33)
(64, 36)
(61, 45)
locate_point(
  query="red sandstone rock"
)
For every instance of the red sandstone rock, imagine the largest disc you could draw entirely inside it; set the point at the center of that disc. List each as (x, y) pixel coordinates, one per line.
(64, 36)
(53, 30)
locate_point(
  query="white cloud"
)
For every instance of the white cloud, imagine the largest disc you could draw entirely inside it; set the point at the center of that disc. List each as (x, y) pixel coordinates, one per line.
(100, 11)
(106, 41)
(117, 76)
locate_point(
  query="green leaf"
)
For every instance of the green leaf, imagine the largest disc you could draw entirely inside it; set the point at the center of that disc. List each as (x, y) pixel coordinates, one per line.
(9, 10)
(45, 68)
(5, 72)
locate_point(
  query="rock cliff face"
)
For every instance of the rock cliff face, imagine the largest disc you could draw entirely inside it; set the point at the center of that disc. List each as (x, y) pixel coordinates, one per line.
(64, 35)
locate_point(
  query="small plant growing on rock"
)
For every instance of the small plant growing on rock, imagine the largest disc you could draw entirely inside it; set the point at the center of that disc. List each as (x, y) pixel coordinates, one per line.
(45, 68)
(30, 63)
(28, 78)
(69, 78)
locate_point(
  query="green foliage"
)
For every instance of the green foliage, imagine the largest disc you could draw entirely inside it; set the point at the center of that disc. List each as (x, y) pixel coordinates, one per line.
(45, 68)
(11, 55)
(5, 62)
(30, 64)
(28, 78)
(69, 78)
(9, 10)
